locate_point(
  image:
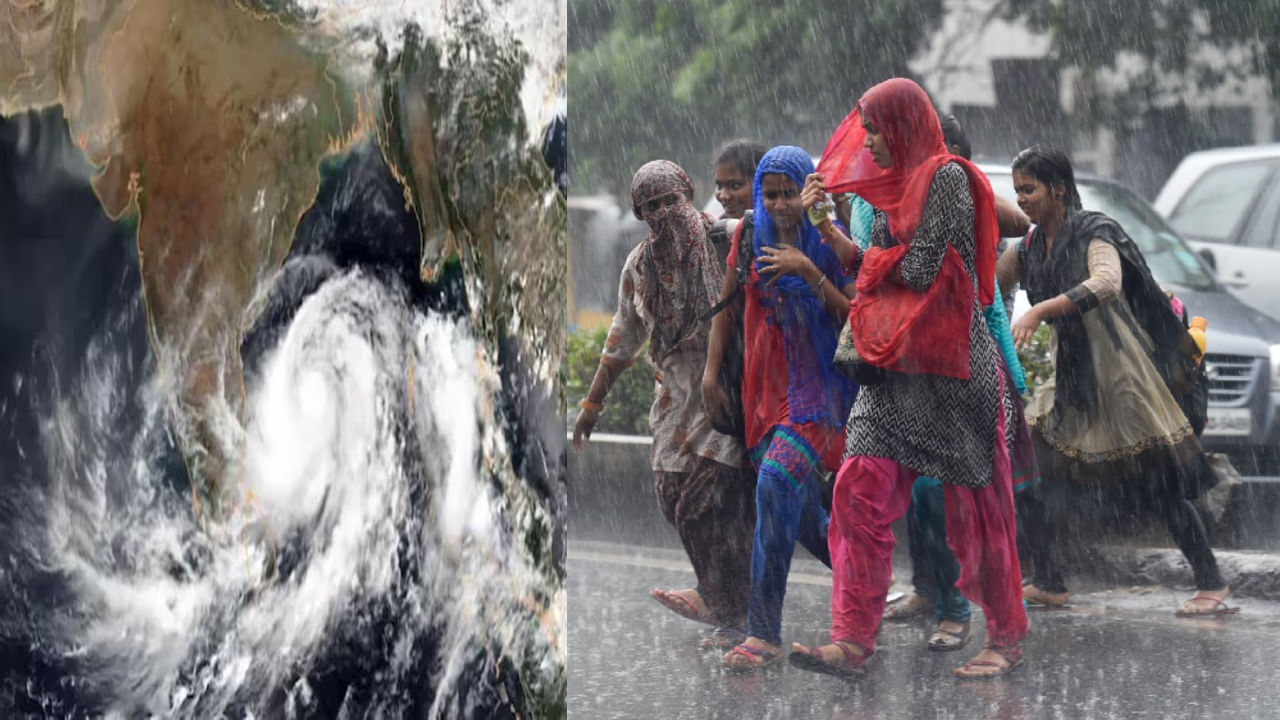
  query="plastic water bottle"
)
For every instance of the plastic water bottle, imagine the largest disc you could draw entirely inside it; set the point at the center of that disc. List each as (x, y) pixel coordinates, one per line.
(820, 211)
(1196, 331)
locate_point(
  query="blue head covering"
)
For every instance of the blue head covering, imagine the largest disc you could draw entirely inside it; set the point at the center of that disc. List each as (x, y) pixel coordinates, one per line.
(816, 390)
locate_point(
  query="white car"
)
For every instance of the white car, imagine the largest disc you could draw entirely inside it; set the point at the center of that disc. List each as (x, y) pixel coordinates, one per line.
(1227, 204)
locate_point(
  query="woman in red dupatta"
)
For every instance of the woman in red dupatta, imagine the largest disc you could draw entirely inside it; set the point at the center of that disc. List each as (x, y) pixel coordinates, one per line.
(943, 408)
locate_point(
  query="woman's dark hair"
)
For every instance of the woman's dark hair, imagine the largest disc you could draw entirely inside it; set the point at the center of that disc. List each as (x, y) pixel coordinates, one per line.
(742, 154)
(953, 134)
(1050, 166)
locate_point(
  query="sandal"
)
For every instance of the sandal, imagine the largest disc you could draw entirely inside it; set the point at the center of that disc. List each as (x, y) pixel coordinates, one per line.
(1219, 609)
(681, 605)
(947, 640)
(744, 658)
(853, 664)
(913, 608)
(1012, 657)
(722, 638)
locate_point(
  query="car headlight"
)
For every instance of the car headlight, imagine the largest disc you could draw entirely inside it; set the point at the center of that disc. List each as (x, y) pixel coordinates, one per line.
(1275, 367)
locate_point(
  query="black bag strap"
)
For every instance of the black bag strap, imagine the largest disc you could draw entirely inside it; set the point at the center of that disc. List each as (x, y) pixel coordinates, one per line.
(744, 249)
(745, 231)
(721, 242)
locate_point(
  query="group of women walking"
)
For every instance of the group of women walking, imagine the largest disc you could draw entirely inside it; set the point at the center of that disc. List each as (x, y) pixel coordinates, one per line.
(937, 426)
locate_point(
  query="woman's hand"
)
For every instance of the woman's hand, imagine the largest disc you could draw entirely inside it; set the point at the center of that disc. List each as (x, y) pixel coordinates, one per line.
(1025, 328)
(582, 429)
(787, 260)
(714, 400)
(814, 191)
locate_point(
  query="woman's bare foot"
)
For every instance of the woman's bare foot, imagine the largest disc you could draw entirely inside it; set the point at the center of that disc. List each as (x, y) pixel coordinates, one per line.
(842, 659)
(690, 596)
(915, 606)
(950, 635)
(685, 603)
(753, 653)
(991, 663)
(1207, 603)
(831, 653)
(1035, 596)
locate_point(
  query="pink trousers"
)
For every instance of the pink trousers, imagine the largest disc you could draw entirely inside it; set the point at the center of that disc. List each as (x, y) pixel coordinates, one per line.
(870, 494)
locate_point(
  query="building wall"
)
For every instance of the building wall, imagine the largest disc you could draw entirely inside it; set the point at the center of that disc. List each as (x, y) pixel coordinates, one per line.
(995, 76)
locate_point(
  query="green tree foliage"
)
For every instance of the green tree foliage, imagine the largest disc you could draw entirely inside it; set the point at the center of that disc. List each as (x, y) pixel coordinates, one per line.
(652, 78)
(626, 409)
(1168, 34)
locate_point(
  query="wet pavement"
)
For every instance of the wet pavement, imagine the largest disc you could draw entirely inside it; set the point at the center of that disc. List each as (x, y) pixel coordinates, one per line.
(1119, 653)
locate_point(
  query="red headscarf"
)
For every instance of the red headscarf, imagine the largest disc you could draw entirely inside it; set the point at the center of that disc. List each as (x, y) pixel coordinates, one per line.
(900, 109)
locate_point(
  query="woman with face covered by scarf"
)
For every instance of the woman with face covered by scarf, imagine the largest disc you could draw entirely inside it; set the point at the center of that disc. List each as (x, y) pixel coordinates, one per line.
(794, 399)
(942, 407)
(668, 283)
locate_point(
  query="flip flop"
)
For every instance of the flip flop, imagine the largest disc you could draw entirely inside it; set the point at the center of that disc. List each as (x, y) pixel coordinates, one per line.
(680, 605)
(947, 641)
(756, 658)
(810, 658)
(1220, 608)
(1012, 656)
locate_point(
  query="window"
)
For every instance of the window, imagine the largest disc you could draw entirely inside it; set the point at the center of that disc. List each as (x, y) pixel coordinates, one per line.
(1262, 230)
(1215, 206)
(1170, 260)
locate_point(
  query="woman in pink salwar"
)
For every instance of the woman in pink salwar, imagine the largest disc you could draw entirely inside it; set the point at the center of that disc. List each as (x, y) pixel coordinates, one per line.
(949, 415)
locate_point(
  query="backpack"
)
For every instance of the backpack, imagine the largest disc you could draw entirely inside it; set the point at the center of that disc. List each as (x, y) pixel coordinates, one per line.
(731, 359)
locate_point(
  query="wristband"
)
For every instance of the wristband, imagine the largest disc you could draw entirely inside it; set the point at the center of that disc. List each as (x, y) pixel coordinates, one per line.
(817, 289)
(592, 406)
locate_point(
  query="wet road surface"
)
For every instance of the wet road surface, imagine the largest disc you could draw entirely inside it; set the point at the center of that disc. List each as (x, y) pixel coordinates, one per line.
(1119, 653)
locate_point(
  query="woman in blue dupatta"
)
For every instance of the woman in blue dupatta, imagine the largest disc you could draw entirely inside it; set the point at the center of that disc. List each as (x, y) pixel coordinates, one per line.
(795, 401)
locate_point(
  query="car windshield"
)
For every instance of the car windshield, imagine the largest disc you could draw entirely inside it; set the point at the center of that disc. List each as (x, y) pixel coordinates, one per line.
(1171, 261)
(1218, 203)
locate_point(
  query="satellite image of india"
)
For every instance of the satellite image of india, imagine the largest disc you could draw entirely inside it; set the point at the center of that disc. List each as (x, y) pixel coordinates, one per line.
(282, 315)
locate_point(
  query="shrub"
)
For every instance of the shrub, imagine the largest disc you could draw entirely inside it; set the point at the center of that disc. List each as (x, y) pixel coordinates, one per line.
(626, 408)
(1037, 359)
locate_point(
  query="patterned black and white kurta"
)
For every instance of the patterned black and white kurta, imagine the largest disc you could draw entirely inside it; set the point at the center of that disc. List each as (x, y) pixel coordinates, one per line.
(934, 425)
